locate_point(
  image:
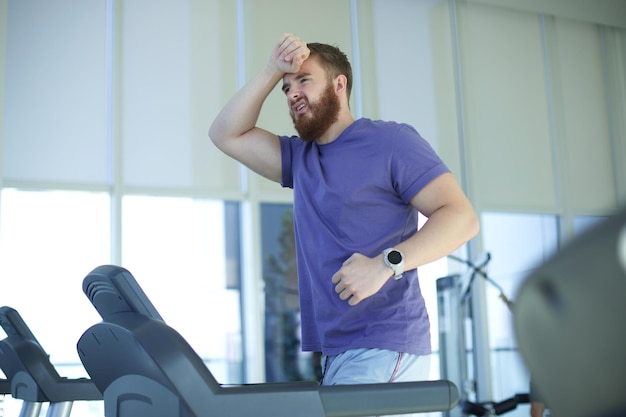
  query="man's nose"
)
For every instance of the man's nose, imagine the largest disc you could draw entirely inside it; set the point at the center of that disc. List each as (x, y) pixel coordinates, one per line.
(294, 94)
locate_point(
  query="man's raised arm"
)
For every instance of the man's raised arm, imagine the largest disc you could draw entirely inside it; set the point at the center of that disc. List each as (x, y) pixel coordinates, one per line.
(234, 130)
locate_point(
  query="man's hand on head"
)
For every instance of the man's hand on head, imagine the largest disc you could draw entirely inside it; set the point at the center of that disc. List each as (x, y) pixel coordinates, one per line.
(289, 53)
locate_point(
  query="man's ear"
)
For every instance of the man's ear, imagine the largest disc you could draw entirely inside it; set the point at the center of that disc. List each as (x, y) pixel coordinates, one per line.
(341, 83)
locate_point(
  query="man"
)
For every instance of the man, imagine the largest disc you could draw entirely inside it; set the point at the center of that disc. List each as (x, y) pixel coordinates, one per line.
(358, 186)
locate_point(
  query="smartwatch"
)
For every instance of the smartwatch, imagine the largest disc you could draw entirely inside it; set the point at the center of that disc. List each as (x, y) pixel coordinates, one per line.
(394, 259)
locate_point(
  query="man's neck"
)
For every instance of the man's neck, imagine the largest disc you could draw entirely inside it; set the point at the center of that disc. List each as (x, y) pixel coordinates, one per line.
(336, 129)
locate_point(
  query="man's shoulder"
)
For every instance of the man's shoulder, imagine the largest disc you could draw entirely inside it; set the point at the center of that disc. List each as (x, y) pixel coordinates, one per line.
(387, 129)
(378, 124)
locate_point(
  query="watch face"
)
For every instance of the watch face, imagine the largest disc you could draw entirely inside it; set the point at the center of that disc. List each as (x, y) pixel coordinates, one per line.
(394, 257)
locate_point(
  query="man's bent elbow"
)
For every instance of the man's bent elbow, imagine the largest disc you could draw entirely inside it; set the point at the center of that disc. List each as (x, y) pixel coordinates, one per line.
(214, 134)
(219, 138)
(472, 224)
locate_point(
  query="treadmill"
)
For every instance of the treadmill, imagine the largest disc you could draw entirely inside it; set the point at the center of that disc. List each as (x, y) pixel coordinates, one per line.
(569, 321)
(31, 377)
(144, 367)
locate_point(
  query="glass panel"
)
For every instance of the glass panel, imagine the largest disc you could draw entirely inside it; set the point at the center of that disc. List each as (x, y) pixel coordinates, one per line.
(582, 223)
(428, 276)
(49, 242)
(284, 359)
(176, 249)
(517, 244)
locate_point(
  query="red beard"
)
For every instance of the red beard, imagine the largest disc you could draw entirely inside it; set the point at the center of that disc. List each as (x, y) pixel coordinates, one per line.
(320, 116)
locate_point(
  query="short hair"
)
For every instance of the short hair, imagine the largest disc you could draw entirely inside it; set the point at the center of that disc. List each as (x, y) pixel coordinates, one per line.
(334, 61)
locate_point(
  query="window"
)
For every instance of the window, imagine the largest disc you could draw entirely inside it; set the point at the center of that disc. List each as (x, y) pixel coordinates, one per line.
(582, 223)
(517, 244)
(175, 248)
(49, 242)
(182, 251)
(284, 359)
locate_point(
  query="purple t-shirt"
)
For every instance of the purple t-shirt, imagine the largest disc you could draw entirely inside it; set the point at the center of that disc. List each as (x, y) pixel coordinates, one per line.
(352, 195)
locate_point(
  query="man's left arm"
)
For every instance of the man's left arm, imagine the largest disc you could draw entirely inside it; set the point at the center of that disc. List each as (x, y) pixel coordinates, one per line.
(451, 222)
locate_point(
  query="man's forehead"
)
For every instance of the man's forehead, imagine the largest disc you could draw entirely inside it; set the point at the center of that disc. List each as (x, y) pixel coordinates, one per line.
(288, 78)
(309, 67)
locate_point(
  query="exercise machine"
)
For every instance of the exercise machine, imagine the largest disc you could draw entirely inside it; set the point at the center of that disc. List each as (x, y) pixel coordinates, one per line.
(456, 340)
(31, 377)
(568, 318)
(144, 367)
(5, 387)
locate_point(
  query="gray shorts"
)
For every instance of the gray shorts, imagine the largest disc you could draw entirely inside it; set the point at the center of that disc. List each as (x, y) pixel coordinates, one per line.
(368, 366)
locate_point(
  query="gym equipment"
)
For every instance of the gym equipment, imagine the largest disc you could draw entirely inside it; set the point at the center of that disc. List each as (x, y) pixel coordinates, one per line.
(492, 408)
(568, 319)
(144, 367)
(452, 337)
(30, 375)
(456, 339)
(5, 387)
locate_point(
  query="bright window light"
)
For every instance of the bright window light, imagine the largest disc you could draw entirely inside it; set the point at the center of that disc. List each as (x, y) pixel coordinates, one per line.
(49, 242)
(175, 249)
